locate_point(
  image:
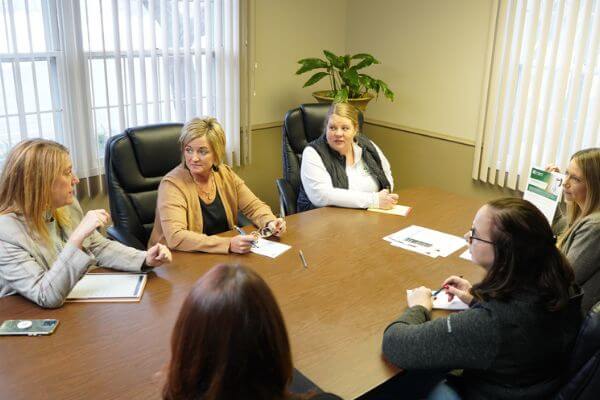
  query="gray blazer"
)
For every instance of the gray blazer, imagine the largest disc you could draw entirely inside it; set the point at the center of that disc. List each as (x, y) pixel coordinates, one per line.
(582, 248)
(38, 273)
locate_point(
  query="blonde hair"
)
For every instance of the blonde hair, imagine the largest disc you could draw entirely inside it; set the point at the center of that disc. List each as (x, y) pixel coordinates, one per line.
(204, 127)
(588, 160)
(345, 110)
(28, 176)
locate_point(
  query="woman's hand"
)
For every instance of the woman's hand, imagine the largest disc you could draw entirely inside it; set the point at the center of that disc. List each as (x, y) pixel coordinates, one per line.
(157, 255)
(277, 226)
(241, 243)
(552, 168)
(420, 297)
(92, 220)
(387, 200)
(457, 286)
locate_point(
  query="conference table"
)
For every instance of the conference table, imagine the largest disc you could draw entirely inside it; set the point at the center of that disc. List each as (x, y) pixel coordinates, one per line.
(335, 309)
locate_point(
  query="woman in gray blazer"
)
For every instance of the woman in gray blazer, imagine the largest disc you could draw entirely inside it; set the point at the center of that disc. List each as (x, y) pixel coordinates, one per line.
(579, 230)
(46, 243)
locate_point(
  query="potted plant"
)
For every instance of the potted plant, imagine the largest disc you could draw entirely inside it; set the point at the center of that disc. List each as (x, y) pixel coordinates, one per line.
(347, 83)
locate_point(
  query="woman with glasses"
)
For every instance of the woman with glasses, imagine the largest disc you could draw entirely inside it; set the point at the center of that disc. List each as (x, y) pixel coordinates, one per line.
(343, 168)
(522, 320)
(579, 230)
(46, 242)
(201, 197)
(230, 342)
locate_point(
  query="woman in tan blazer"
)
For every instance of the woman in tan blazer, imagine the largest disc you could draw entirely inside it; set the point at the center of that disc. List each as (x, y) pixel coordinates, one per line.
(201, 197)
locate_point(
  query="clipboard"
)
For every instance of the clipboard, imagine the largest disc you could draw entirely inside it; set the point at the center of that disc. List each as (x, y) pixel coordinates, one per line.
(108, 288)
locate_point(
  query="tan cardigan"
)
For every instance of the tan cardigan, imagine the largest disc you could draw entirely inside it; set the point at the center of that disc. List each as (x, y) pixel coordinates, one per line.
(178, 221)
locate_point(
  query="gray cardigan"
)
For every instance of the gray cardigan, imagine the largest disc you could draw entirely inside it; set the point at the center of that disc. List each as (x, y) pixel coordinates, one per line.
(38, 273)
(582, 248)
(508, 350)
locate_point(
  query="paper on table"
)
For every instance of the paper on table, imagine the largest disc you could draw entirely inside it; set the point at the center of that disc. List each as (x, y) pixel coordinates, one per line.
(426, 241)
(466, 255)
(109, 287)
(269, 248)
(544, 190)
(396, 210)
(440, 302)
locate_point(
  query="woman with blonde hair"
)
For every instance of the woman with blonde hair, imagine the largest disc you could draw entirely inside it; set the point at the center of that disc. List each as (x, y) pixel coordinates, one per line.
(343, 168)
(46, 243)
(579, 230)
(201, 197)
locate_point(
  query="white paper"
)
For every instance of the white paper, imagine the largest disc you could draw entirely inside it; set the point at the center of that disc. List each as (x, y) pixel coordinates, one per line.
(269, 248)
(102, 286)
(466, 255)
(396, 210)
(544, 190)
(426, 241)
(440, 302)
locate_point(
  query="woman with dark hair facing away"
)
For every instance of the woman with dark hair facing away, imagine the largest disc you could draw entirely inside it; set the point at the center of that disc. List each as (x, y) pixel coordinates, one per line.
(344, 168)
(230, 342)
(522, 320)
(579, 230)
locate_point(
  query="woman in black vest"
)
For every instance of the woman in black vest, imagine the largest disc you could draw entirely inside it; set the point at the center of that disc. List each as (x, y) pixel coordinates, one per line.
(342, 168)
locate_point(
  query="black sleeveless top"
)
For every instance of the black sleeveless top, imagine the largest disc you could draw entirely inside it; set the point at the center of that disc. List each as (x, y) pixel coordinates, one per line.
(214, 219)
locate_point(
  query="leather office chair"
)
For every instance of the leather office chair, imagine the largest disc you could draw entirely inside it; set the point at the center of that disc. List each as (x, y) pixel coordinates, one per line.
(583, 377)
(135, 162)
(301, 125)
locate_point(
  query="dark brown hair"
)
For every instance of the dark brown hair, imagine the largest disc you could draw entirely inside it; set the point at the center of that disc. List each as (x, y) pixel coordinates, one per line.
(525, 256)
(229, 341)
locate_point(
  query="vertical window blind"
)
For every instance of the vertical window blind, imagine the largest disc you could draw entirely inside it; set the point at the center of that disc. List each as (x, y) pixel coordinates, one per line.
(544, 90)
(80, 72)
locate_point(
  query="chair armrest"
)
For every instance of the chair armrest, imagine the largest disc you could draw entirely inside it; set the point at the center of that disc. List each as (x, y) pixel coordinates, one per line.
(122, 236)
(287, 197)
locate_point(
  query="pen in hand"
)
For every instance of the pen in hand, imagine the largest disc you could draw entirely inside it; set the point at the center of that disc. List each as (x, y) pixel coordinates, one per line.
(243, 233)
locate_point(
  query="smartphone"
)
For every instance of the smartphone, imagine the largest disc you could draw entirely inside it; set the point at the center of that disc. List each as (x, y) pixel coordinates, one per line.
(28, 327)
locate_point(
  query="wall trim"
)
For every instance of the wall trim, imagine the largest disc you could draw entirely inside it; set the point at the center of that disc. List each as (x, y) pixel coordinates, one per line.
(421, 132)
(267, 125)
(384, 124)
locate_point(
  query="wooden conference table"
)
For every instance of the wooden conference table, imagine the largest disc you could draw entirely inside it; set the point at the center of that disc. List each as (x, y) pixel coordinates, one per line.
(335, 310)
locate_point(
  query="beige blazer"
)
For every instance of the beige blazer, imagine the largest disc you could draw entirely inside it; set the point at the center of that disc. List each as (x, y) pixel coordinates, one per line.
(178, 221)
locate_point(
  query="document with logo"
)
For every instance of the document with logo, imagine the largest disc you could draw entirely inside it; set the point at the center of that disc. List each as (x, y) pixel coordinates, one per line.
(544, 190)
(269, 248)
(110, 287)
(440, 302)
(426, 241)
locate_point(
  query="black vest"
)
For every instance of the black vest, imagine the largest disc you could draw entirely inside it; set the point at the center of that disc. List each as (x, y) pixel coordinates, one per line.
(335, 164)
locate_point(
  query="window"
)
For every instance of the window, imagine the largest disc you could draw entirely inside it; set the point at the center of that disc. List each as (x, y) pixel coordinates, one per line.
(116, 64)
(544, 92)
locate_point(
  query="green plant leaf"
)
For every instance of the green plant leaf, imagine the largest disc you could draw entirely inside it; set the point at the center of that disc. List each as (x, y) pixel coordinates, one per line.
(308, 64)
(341, 96)
(365, 63)
(347, 60)
(315, 78)
(361, 55)
(386, 91)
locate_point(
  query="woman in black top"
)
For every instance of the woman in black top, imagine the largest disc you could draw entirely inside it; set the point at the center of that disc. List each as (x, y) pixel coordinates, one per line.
(522, 321)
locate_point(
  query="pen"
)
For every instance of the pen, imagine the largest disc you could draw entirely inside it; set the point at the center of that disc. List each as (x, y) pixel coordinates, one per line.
(242, 232)
(303, 259)
(433, 294)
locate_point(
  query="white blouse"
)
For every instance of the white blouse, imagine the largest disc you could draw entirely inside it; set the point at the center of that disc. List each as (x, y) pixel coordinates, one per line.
(363, 189)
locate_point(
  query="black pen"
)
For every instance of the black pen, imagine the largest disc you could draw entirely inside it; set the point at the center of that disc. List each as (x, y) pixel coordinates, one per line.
(433, 294)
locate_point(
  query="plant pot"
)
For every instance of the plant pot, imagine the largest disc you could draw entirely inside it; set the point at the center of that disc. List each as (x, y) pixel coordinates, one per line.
(322, 96)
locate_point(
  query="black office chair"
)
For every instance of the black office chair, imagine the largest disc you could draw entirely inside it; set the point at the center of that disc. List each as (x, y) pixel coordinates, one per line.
(135, 162)
(583, 380)
(301, 125)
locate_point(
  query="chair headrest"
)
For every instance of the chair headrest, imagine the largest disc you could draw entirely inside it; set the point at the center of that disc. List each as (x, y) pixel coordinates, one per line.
(149, 141)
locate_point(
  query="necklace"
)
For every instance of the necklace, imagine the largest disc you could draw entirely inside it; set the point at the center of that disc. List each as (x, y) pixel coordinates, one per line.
(210, 193)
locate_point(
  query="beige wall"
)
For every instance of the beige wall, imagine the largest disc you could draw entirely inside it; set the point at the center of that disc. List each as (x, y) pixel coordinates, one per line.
(285, 31)
(433, 55)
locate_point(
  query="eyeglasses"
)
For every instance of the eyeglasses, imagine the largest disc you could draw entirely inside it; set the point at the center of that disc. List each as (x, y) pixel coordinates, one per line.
(472, 237)
(263, 233)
